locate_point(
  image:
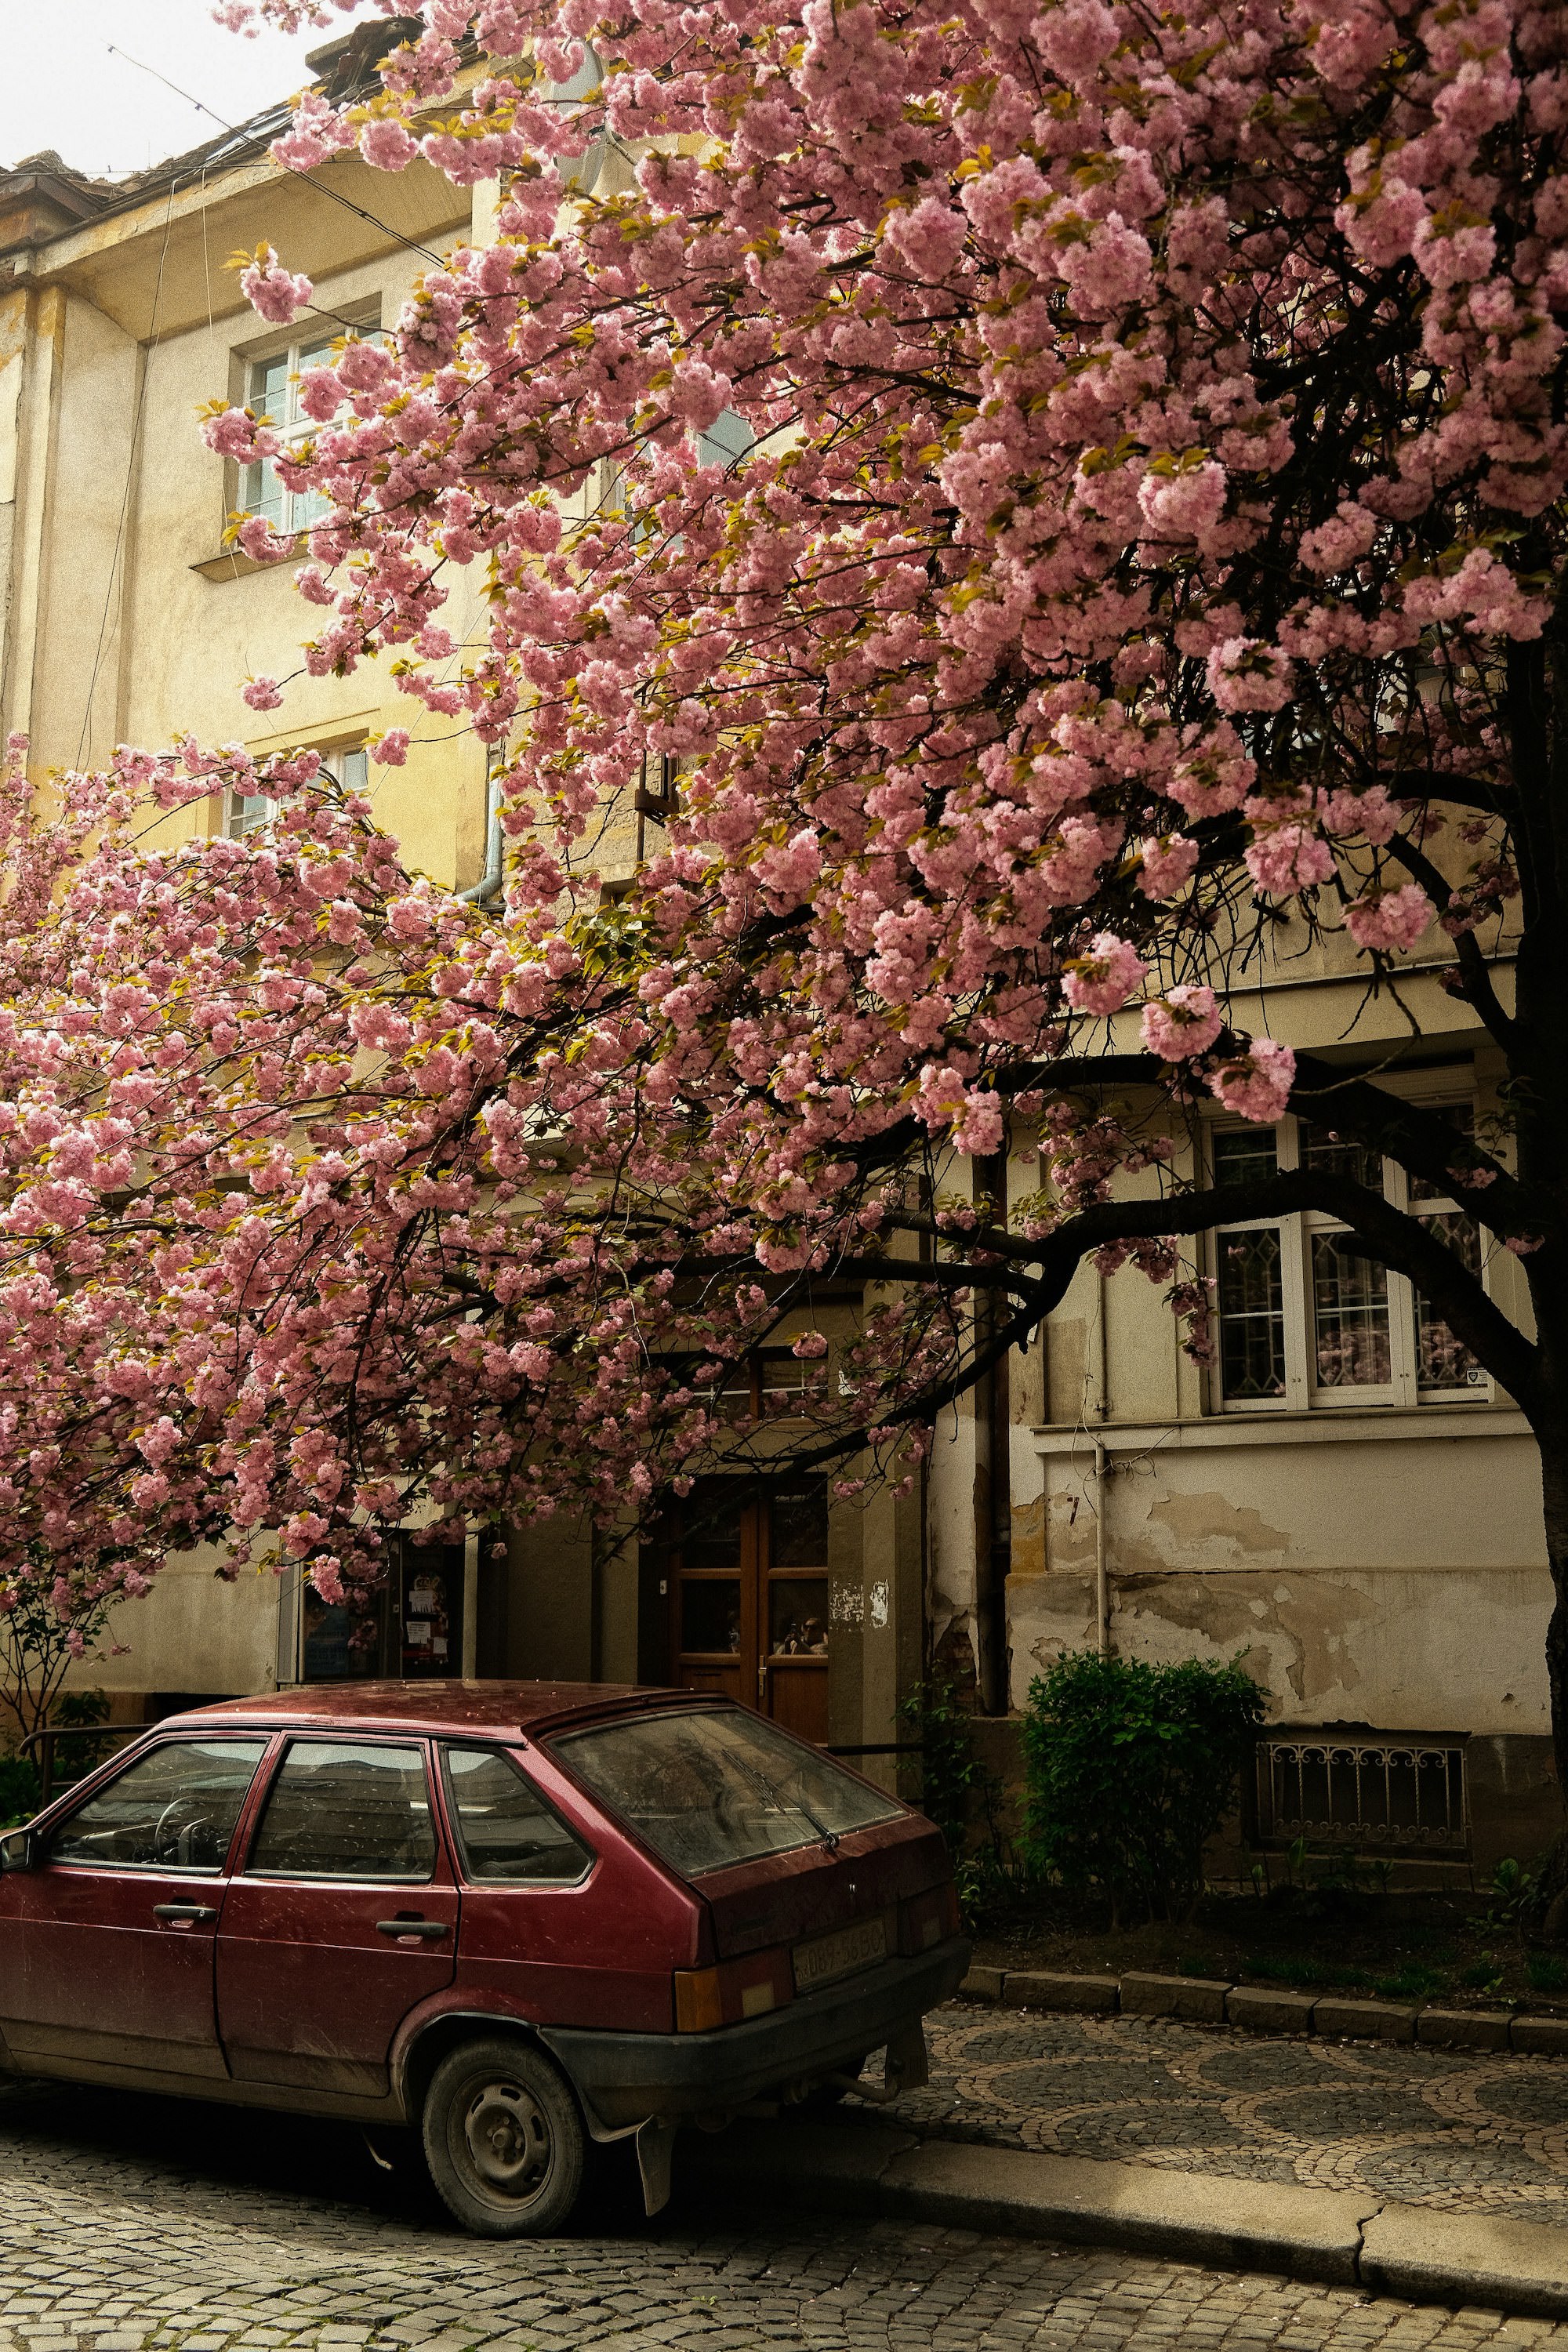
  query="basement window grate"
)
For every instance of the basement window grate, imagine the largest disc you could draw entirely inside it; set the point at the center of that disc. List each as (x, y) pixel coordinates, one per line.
(1400, 1795)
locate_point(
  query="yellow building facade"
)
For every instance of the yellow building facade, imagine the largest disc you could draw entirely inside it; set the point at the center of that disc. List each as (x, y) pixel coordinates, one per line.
(1352, 1512)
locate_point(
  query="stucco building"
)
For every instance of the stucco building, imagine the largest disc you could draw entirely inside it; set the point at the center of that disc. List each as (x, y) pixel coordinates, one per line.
(1345, 1500)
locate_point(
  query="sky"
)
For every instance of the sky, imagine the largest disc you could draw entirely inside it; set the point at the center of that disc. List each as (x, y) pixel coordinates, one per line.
(61, 87)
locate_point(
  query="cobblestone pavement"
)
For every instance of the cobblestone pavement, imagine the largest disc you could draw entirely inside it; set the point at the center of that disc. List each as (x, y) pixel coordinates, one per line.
(128, 2223)
(1460, 2129)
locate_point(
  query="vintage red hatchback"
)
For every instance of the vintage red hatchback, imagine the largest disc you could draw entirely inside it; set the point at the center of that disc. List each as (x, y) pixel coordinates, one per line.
(518, 1917)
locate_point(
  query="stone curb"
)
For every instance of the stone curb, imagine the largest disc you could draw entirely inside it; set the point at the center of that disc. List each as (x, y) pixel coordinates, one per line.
(1334, 2236)
(1262, 2010)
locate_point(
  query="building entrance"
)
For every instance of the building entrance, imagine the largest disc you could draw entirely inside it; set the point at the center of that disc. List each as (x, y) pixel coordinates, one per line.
(746, 1578)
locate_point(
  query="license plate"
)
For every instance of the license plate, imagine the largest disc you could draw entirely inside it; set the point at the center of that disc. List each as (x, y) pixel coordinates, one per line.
(827, 1957)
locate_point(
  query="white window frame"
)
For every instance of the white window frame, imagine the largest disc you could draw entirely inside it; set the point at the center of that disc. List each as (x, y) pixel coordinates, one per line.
(291, 511)
(249, 812)
(1303, 1392)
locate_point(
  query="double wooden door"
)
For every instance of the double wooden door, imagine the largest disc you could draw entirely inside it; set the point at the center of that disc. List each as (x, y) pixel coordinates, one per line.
(746, 1576)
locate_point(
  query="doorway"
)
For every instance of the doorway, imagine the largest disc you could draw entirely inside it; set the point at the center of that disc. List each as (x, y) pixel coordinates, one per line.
(746, 1580)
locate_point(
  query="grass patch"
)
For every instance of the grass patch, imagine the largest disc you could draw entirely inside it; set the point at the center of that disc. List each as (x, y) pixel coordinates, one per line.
(1547, 1971)
(1413, 1982)
(1292, 1969)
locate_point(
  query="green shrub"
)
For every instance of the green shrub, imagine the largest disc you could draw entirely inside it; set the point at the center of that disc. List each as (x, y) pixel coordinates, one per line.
(954, 1782)
(1129, 1770)
(1547, 1971)
(962, 1796)
(18, 1790)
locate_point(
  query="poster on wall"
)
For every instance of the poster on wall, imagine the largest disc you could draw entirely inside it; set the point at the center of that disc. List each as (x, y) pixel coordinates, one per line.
(431, 1615)
(411, 1629)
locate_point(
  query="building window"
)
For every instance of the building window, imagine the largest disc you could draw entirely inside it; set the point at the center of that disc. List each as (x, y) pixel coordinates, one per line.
(727, 440)
(1400, 1794)
(247, 812)
(272, 389)
(1302, 1320)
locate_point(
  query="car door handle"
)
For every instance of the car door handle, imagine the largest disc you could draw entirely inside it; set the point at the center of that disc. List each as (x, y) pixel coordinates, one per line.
(424, 1931)
(195, 1914)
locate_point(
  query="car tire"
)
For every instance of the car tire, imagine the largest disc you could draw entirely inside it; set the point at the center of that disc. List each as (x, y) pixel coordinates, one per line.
(503, 2139)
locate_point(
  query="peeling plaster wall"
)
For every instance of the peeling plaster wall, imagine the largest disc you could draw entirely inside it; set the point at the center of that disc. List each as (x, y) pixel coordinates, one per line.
(1352, 1566)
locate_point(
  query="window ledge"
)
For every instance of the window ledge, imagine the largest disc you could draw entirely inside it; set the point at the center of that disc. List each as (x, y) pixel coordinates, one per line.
(1376, 1424)
(233, 563)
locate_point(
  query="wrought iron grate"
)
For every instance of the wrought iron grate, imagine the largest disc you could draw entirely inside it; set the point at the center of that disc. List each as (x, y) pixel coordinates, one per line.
(1397, 1794)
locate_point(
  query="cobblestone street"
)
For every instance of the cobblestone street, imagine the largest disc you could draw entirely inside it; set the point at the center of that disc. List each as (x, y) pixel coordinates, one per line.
(1462, 2130)
(128, 2222)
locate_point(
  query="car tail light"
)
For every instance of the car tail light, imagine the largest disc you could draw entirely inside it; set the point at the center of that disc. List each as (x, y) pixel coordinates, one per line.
(732, 1992)
(929, 1918)
(699, 2004)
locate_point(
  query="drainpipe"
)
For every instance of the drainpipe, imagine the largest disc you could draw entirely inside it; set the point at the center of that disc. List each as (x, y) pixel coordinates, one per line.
(1102, 1473)
(489, 882)
(993, 1485)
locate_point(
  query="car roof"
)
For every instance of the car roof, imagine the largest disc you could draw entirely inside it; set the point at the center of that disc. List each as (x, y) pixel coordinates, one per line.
(509, 1708)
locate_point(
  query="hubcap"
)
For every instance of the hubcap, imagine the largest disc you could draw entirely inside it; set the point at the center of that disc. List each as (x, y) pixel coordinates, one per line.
(509, 2141)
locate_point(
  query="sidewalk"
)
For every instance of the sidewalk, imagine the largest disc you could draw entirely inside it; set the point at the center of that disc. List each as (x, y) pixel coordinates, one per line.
(1465, 2131)
(1440, 2175)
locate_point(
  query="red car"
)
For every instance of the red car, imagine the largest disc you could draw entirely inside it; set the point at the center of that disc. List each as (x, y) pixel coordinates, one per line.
(519, 1916)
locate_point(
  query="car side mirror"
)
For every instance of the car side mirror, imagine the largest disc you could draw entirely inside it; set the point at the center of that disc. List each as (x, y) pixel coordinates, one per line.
(19, 1850)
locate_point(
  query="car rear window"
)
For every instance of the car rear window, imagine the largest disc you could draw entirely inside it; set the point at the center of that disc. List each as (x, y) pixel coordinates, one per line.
(719, 1786)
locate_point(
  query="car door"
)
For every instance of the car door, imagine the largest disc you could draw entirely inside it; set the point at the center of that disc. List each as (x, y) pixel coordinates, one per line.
(563, 1921)
(106, 1945)
(344, 1917)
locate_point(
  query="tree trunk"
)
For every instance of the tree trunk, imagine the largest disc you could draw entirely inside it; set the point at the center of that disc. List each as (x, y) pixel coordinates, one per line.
(1551, 1901)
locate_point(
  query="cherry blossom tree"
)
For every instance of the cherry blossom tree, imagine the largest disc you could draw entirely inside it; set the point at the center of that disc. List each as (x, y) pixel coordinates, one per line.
(1145, 567)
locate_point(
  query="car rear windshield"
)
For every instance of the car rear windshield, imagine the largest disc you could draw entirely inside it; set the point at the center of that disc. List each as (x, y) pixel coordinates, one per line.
(719, 1786)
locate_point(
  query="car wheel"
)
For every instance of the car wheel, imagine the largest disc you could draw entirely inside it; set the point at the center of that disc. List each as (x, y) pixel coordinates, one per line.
(503, 2139)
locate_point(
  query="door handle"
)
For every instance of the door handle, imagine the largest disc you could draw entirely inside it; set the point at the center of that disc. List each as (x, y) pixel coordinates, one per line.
(194, 1914)
(424, 1931)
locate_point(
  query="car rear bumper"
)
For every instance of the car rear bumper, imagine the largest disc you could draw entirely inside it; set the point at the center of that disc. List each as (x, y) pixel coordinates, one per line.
(625, 2078)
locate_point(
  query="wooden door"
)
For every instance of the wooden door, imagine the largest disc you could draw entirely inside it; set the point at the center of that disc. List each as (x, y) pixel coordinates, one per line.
(792, 1663)
(749, 1601)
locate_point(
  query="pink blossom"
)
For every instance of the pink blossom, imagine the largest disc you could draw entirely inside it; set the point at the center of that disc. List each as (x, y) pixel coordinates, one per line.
(1389, 919)
(271, 291)
(698, 394)
(1335, 545)
(262, 694)
(1167, 863)
(1257, 1086)
(1289, 855)
(1183, 1021)
(1076, 37)
(387, 145)
(235, 433)
(926, 239)
(1102, 980)
(1184, 504)
(1246, 674)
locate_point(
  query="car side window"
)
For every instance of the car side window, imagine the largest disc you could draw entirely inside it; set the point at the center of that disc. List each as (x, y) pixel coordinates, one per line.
(506, 1831)
(346, 1809)
(174, 1808)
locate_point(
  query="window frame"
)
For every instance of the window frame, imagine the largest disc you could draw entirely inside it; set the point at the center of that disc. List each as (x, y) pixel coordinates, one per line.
(340, 1736)
(465, 1875)
(99, 1787)
(1304, 1393)
(360, 321)
(335, 758)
